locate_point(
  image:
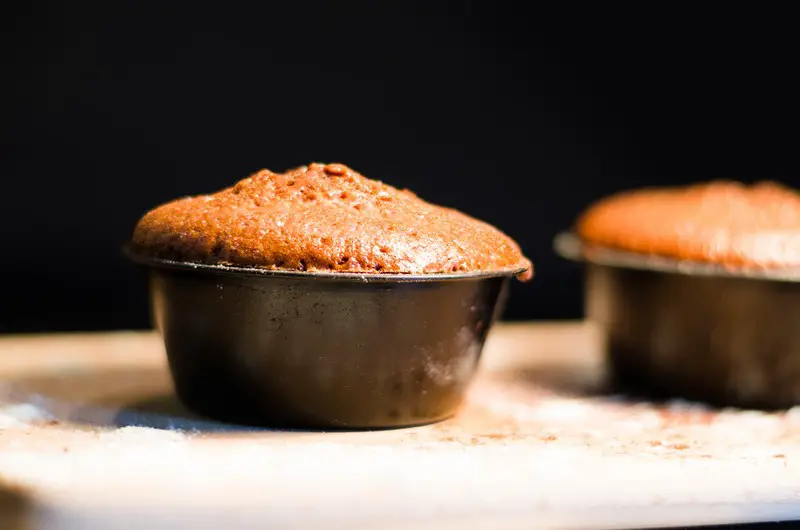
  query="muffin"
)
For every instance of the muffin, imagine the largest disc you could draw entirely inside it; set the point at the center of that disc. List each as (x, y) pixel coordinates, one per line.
(325, 218)
(318, 298)
(721, 222)
(695, 290)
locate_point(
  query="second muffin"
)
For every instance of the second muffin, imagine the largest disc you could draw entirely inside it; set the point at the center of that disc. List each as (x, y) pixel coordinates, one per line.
(695, 290)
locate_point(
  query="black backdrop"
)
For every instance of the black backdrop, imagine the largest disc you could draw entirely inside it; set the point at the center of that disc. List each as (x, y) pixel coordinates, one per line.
(517, 117)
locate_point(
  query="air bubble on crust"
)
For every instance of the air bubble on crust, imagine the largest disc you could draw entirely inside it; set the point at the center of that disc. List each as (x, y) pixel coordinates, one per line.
(335, 169)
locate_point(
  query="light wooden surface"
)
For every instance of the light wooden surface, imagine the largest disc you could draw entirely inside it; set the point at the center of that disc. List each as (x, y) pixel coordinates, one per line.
(90, 436)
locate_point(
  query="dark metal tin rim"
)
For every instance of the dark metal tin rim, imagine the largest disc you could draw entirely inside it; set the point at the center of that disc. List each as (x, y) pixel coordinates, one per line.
(377, 277)
(569, 246)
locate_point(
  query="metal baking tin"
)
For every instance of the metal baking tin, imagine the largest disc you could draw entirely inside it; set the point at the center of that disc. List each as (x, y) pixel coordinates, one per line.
(726, 336)
(321, 349)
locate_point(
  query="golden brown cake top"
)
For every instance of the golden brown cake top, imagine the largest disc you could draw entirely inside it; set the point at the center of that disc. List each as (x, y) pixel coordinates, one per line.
(324, 218)
(721, 221)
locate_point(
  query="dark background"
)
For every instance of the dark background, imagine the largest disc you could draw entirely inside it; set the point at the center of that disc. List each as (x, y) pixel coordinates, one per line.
(517, 114)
